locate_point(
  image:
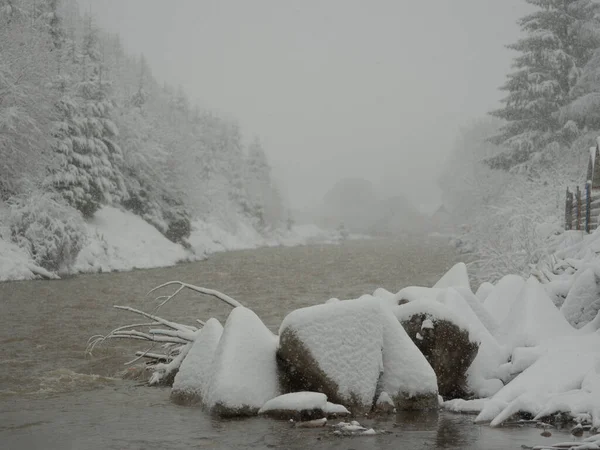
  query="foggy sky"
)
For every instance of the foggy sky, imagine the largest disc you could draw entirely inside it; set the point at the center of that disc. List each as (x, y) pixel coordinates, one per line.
(334, 88)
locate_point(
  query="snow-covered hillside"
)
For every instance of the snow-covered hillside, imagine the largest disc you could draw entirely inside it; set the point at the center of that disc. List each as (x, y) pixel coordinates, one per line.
(118, 240)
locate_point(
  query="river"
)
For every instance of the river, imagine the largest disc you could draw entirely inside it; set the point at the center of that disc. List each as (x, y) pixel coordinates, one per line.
(53, 397)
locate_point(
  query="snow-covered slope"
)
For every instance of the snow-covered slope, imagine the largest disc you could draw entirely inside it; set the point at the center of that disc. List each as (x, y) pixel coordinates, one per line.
(118, 240)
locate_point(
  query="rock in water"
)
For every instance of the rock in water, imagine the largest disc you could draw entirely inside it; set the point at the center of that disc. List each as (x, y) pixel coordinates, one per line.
(243, 375)
(448, 349)
(195, 369)
(351, 350)
(302, 406)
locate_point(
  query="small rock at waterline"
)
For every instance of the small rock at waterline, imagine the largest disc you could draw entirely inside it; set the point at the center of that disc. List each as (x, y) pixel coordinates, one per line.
(545, 433)
(312, 423)
(577, 430)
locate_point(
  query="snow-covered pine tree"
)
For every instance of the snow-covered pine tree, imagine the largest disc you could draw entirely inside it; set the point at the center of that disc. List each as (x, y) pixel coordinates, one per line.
(559, 40)
(12, 10)
(48, 15)
(25, 101)
(583, 113)
(264, 198)
(88, 175)
(258, 180)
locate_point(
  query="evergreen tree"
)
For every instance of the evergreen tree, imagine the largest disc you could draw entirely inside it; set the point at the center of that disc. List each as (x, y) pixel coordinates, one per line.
(560, 38)
(53, 22)
(89, 173)
(11, 11)
(583, 113)
(258, 174)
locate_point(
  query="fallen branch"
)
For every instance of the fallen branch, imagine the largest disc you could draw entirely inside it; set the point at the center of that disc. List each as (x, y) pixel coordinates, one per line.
(167, 323)
(175, 338)
(154, 356)
(211, 292)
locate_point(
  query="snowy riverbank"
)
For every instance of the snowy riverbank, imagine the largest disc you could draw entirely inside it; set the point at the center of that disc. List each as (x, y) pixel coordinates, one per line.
(536, 345)
(119, 240)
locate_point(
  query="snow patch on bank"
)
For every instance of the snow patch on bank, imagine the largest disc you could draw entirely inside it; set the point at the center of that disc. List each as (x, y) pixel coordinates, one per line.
(119, 240)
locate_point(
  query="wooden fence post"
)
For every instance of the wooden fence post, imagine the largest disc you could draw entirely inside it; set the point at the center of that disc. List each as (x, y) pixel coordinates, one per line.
(569, 210)
(578, 211)
(588, 204)
(595, 192)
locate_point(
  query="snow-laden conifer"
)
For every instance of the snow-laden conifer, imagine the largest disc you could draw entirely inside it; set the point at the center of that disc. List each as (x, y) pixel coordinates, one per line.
(560, 37)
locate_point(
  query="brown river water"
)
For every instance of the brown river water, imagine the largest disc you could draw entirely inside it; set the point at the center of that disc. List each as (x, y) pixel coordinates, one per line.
(53, 397)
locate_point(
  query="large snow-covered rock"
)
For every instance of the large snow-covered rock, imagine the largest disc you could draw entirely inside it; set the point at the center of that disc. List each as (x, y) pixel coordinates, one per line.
(192, 378)
(583, 300)
(532, 318)
(460, 307)
(483, 291)
(446, 345)
(457, 276)
(418, 293)
(500, 300)
(243, 376)
(350, 350)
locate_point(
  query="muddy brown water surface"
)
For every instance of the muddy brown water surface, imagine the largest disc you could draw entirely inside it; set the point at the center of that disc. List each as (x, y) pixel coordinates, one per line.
(53, 397)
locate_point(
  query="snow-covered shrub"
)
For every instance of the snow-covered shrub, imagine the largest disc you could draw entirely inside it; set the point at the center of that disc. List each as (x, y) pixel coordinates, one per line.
(52, 232)
(516, 232)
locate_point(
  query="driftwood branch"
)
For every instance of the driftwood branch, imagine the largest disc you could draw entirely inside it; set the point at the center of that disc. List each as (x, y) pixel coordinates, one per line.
(176, 339)
(210, 292)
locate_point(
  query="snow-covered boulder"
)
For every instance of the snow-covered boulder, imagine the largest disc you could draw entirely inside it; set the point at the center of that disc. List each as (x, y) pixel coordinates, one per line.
(460, 307)
(192, 378)
(483, 291)
(457, 276)
(447, 345)
(583, 300)
(500, 300)
(243, 376)
(532, 318)
(563, 376)
(349, 350)
(302, 406)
